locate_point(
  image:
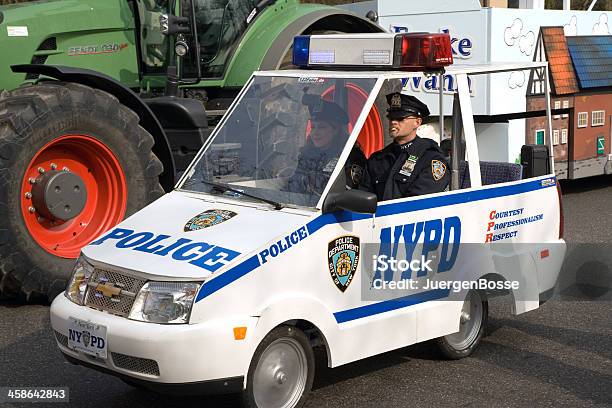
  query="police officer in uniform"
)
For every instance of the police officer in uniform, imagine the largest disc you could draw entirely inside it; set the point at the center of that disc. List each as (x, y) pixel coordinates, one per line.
(410, 165)
(319, 156)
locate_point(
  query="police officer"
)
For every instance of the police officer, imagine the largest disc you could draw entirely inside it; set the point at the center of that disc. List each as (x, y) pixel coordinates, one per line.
(410, 165)
(319, 156)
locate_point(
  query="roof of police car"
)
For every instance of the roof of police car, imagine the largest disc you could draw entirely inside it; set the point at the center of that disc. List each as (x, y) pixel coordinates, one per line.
(473, 69)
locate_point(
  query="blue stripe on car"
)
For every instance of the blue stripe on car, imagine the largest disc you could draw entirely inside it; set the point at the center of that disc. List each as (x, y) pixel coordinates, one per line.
(252, 263)
(389, 305)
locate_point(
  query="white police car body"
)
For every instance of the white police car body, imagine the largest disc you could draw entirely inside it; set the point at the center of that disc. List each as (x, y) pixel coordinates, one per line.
(211, 288)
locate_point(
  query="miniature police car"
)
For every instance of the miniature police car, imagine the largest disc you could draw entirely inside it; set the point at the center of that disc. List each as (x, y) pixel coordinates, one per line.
(227, 283)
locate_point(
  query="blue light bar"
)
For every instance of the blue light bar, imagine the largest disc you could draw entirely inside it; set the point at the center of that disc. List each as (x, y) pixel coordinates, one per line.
(301, 48)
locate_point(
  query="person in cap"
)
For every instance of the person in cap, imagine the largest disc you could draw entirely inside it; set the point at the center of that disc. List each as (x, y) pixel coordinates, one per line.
(319, 156)
(410, 165)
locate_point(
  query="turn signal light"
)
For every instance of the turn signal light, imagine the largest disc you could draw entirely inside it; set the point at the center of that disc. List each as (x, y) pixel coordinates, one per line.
(240, 333)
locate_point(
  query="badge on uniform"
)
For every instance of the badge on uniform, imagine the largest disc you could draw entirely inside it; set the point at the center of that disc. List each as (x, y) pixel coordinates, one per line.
(329, 167)
(438, 169)
(356, 172)
(408, 166)
(343, 259)
(207, 219)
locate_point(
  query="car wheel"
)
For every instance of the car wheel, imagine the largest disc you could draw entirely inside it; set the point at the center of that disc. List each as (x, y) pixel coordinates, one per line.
(473, 321)
(281, 371)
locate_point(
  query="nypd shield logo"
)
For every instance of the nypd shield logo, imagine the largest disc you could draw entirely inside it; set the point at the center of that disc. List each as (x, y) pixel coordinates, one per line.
(207, 219)
(438, 169)
(343, 259)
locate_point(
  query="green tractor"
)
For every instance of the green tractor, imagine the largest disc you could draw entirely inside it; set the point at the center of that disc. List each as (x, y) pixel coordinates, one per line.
(104, 102)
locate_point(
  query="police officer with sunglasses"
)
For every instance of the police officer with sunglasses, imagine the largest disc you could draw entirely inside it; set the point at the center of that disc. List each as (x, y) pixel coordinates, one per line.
(410, 165)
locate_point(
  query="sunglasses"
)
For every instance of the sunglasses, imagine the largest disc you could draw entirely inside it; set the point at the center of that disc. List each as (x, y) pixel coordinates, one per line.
(404, 118)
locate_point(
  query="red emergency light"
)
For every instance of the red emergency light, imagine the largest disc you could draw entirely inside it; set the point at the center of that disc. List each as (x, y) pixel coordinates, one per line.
(418, 51)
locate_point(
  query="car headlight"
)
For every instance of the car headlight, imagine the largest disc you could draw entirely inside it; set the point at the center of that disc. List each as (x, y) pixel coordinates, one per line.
(164, 302)
(77, 286)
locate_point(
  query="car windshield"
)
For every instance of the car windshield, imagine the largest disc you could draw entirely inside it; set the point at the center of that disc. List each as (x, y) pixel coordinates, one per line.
(282, 141)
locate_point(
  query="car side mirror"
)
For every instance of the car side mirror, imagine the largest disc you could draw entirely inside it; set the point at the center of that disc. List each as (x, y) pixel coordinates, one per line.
(353, 200)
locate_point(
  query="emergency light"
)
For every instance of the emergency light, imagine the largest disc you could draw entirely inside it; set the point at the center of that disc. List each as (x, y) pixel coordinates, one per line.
(406, 51)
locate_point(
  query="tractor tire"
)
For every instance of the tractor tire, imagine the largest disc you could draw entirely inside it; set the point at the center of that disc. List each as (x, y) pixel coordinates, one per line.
(283, 118)
(56, 135)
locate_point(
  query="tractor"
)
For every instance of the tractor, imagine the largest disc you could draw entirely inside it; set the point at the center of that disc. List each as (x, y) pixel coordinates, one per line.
(103, 103)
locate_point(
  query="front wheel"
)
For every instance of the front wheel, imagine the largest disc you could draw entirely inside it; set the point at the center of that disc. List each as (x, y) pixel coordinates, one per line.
(472, 325)
(281, 371)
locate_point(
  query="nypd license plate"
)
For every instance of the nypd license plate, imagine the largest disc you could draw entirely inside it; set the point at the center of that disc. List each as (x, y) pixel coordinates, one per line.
(87, 337)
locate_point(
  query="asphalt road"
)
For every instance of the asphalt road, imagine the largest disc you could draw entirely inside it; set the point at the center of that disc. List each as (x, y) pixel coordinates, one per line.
(557, 356)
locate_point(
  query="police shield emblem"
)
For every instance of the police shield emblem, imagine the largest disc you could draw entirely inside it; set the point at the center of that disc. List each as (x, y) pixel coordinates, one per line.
(343, 259)
(396, 101)
(86, 338)
(408, 167)
(438, 169)
(207, 219)
(356, 173)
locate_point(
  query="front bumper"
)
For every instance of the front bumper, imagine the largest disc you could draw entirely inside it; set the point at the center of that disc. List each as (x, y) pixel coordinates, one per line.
(161, 355)
(219, 386)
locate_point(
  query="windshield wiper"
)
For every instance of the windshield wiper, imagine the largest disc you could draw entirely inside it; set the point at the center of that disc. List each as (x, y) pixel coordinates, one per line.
(224, 187)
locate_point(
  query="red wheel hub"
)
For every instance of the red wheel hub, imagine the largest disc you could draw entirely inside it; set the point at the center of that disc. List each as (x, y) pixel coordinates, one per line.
(91, 164)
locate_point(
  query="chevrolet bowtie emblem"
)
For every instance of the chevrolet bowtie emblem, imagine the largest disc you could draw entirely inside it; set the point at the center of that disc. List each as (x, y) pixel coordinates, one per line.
(110, 290)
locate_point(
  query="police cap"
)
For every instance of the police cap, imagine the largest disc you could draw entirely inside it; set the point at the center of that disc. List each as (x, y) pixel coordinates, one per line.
(328, 112)
(401, 105)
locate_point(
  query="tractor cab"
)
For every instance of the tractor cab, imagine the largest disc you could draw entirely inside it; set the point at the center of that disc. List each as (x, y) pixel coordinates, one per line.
(218, 24)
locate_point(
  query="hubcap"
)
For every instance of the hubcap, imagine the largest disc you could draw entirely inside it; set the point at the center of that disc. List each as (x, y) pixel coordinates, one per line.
(73, 190)
(470, 322)
(59, 195)
(281, 373)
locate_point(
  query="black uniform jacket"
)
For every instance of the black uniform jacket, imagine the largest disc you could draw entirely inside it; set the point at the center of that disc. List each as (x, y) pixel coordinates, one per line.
(316, 165)
(412, 169)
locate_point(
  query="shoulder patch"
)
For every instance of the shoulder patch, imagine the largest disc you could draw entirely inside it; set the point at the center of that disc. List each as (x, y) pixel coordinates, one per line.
(438, 169)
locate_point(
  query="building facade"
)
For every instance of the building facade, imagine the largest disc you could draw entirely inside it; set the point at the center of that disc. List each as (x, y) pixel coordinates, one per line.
(581, 100)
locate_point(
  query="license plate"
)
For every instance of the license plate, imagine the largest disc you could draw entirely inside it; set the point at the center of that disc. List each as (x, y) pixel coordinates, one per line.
(87, 337)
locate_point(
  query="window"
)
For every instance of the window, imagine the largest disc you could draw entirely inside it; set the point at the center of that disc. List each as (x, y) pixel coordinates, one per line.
(220, 24)
(597, 118)
(565, 106)
(539, 136)
(243, 151)
(557, 106)
(583, 119)
(555, 137)
(563, 136)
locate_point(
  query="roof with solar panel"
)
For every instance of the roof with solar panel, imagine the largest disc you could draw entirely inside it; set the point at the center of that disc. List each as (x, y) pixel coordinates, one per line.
(592, 59)
(577, 63)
